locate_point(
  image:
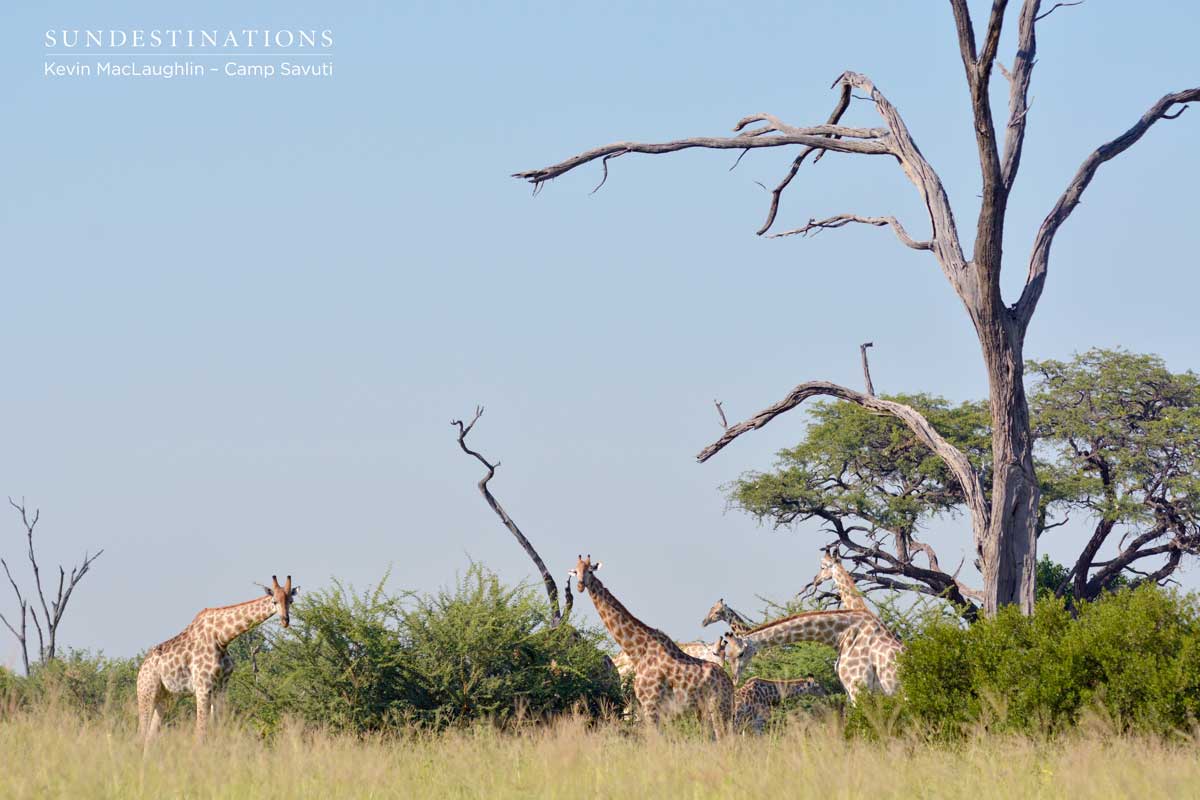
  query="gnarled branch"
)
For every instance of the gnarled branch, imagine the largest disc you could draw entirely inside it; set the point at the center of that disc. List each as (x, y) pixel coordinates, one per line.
(838, 220)
(954, 458)
(868, 141)
(1069, 199)
(556, 617)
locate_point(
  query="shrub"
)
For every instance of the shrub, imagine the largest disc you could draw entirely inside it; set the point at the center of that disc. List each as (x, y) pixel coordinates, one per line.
(485, 650)
(1132, 655)
(366, 662)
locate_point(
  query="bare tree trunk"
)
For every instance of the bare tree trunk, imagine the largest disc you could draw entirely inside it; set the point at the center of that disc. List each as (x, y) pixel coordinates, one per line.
(1009, 554)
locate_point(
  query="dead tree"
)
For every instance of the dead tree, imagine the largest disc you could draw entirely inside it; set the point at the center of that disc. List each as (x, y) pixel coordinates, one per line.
(1003, 521)
(52, 612)
(557, 615)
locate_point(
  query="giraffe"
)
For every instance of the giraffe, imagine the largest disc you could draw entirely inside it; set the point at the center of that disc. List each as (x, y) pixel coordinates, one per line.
(737, 623)
(754, 699)
(660, 667)
(852, 598)
(866, 649)
(713, 652)
(195, 661)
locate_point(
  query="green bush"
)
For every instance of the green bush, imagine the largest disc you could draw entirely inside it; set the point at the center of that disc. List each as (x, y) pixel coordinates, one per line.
(1133, 655)
(91, 685)
(485, 650)
(376, 661)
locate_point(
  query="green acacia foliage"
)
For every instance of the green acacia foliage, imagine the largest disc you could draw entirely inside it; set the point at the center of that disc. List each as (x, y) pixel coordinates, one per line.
(855, 463)
(1133, 656)
(1124, 432)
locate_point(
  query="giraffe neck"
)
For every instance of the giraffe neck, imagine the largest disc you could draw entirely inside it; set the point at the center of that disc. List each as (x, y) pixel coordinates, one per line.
(230, 622)
(852, 598)
(623, 626)
(825, 627)
(794, 688)
(737, 623)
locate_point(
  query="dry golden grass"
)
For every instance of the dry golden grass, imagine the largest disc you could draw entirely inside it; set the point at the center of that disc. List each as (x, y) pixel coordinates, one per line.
(52, 754)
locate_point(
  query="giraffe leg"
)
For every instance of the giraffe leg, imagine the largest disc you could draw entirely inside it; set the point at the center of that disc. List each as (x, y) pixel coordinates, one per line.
(648, 691)
(155, 721)
(203, 693)
(149, 692)
(850, 678)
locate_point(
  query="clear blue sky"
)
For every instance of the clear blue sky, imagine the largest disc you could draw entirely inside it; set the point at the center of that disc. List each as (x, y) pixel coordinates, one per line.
(239, 314)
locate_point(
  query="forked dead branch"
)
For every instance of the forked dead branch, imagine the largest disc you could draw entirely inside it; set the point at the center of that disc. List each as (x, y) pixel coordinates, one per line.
(1004, 521)
(557, 614)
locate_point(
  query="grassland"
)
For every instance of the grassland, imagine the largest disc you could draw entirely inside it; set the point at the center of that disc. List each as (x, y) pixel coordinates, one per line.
(52, 754)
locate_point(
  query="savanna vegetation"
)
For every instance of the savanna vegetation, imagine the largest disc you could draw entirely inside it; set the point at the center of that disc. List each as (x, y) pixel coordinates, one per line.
(368, 694)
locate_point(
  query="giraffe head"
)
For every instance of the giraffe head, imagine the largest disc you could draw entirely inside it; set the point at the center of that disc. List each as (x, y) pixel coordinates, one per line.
(738, 652)
(716, 613)
(583, 572)
(283, 596)
(826, 571)
(718, 647)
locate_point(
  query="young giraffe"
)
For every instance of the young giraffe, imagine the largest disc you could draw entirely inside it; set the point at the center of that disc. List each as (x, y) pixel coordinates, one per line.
(852, 598)
(737, 623)
(195, 661)
(866, 649)
(659, 665)
(754, 699)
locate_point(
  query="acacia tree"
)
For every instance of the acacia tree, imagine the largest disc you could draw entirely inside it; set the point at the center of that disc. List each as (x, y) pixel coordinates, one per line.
(871, 485)
(1125, 435)
(1003, 519)
(1118, 440)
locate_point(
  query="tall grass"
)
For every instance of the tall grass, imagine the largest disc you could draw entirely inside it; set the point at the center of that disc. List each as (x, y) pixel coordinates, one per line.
(52, 753)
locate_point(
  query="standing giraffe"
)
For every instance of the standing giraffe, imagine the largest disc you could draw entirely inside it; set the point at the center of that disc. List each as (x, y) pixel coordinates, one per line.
(755, 697)
(852, 598)
(659, 665)
(195, 661)
(713, 652)
(866, 649)
(737, 623)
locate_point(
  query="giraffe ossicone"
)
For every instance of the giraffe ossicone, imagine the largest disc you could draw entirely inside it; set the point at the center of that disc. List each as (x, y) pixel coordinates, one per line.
(196, 661)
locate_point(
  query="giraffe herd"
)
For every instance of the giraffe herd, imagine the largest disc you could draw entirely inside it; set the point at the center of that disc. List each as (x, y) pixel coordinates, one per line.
(668, 677)
(866, 649)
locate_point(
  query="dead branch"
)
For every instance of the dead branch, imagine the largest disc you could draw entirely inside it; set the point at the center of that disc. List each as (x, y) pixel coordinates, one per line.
(953, 457)
(52, 612)
(22, 608)
(556, 617)
(857, 140)
(835, 117)
(1069, 199)
(721, 411)
(839, 220)
(862, 349)
(1057, 6)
